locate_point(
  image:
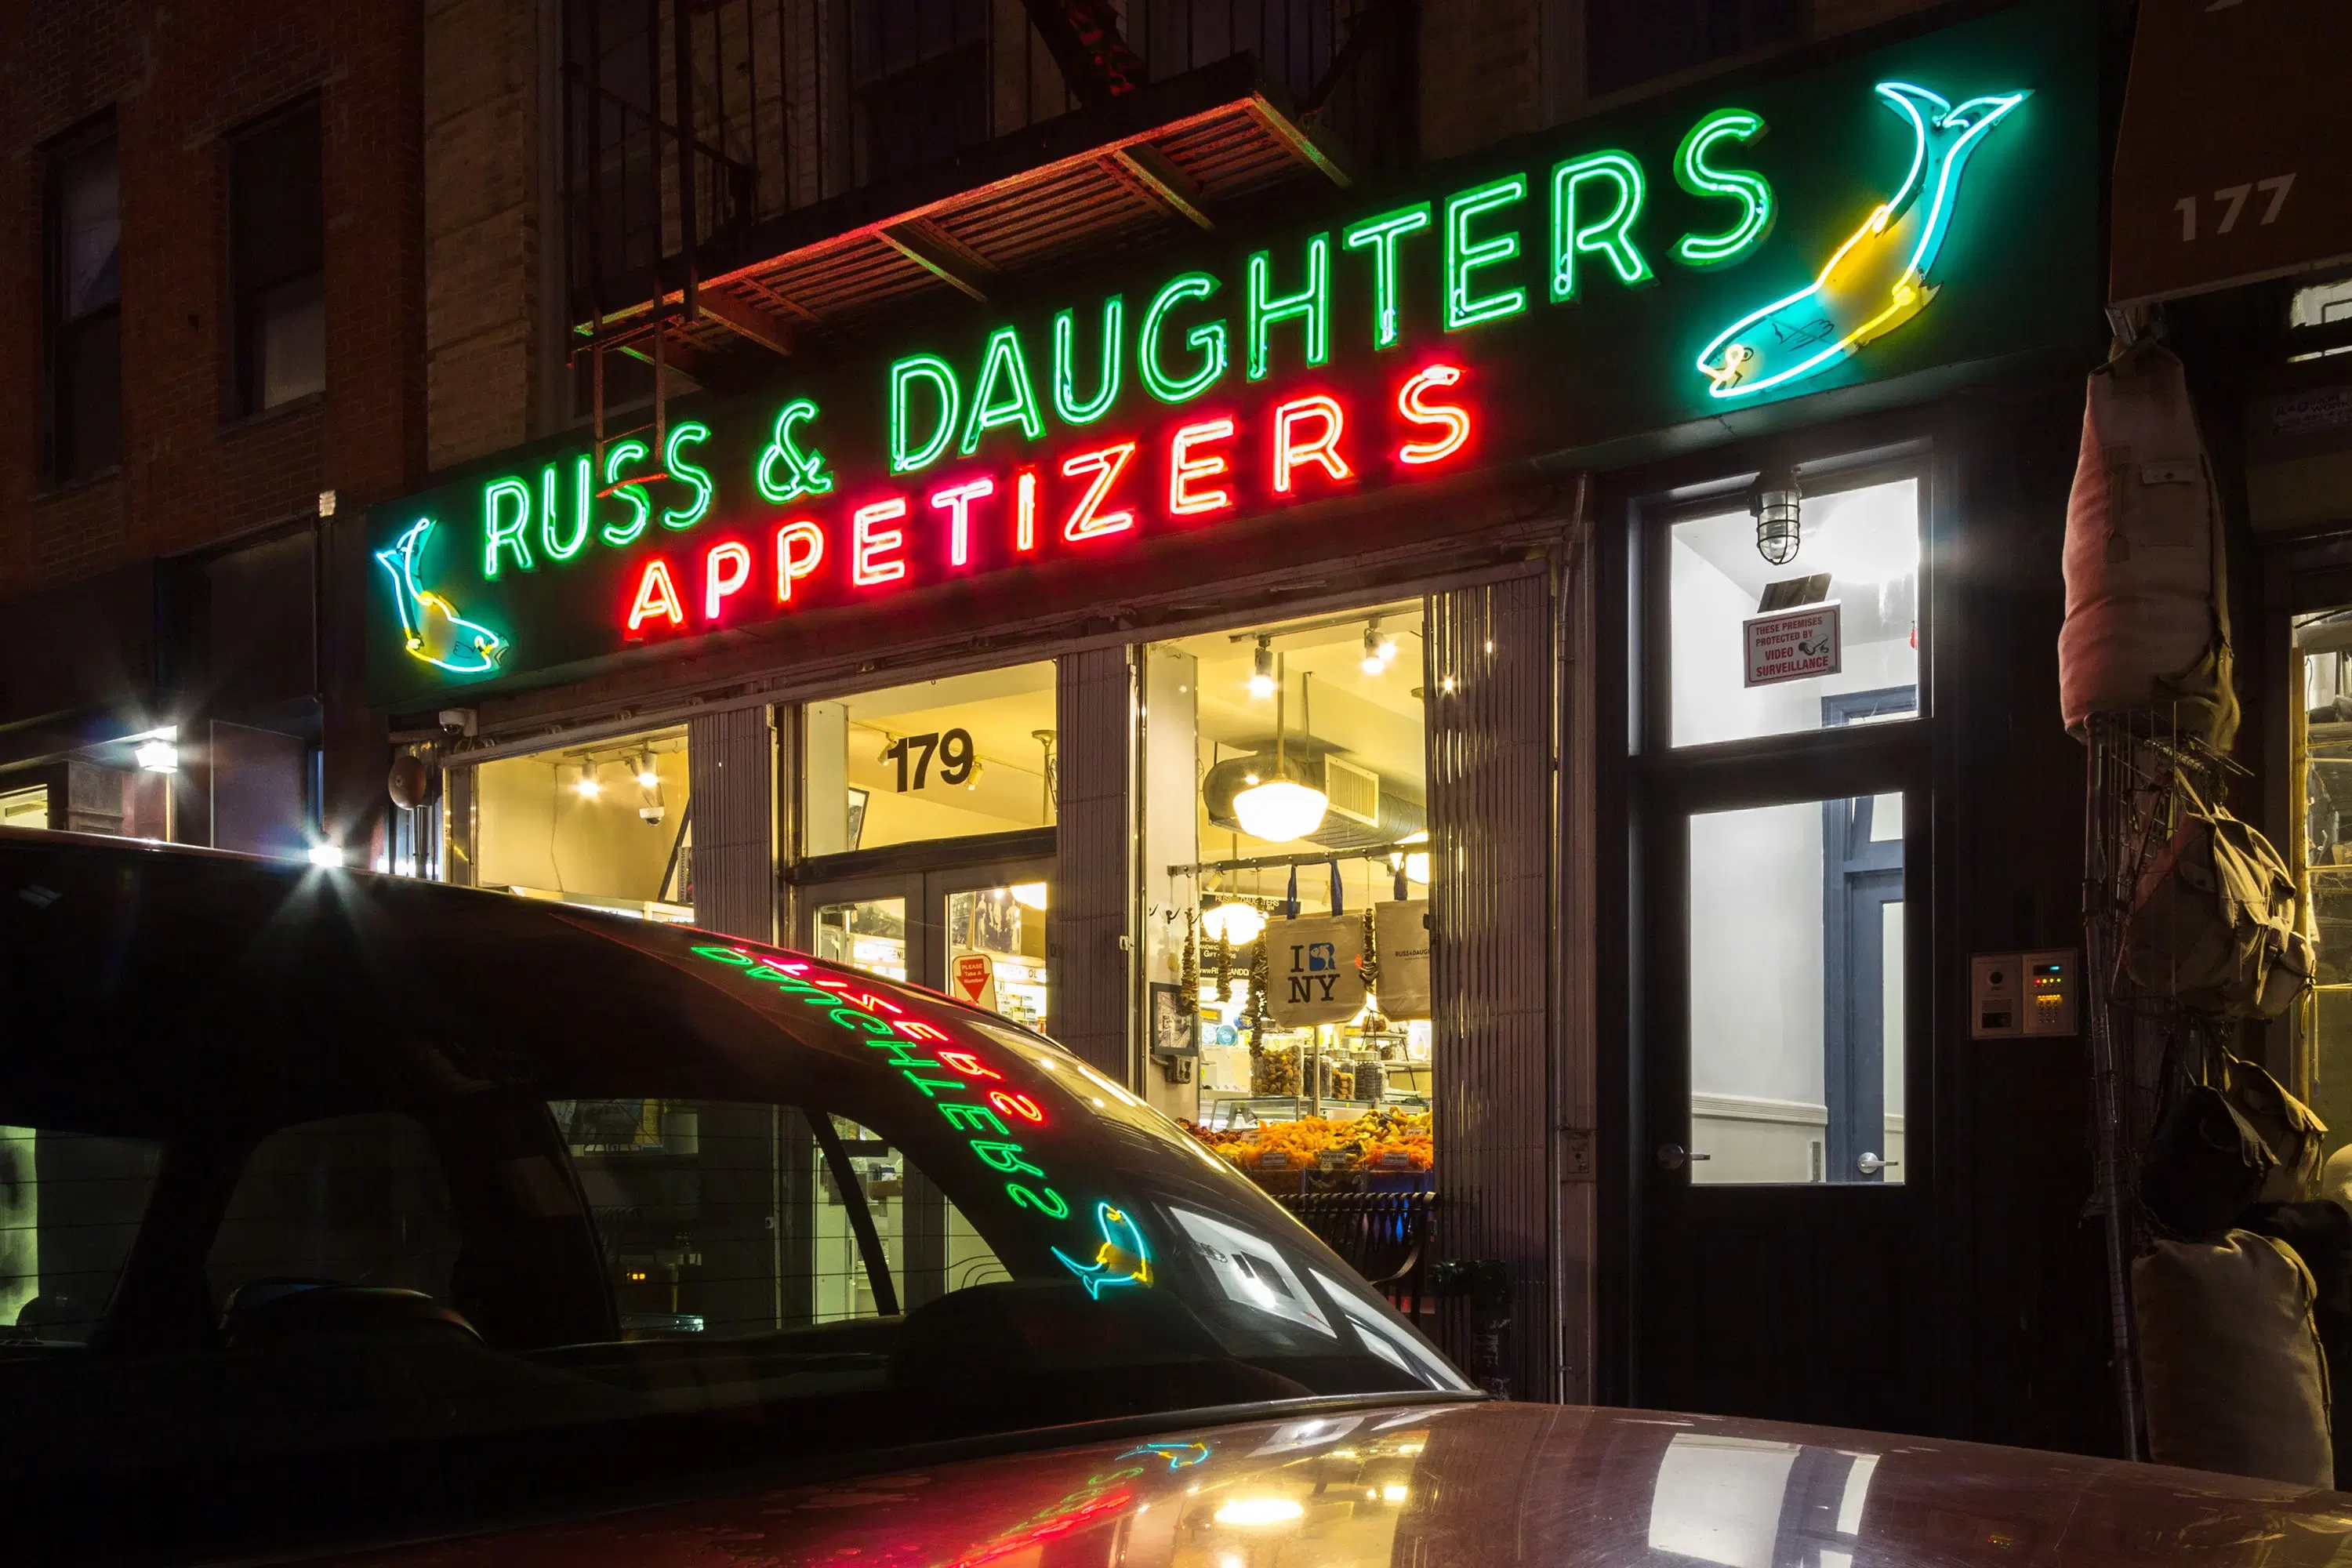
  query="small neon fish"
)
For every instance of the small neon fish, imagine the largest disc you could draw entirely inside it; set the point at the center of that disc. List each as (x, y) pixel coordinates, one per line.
(1877, 280)
(1180, 1456)
(431, 625)
(1121, 1259)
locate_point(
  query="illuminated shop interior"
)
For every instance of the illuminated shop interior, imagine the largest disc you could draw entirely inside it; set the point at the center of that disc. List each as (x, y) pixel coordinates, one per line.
(1279, 759)
(607, 824)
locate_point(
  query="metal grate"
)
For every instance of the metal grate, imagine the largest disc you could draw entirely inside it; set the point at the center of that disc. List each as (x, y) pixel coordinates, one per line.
(730, 774)
(1094, 865)
(1488, 662)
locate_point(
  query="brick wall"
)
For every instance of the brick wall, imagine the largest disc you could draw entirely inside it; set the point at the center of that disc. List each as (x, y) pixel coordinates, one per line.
(1481, 73)
(482, 227)
(178, 79)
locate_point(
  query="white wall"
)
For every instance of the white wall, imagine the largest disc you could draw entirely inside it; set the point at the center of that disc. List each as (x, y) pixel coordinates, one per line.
(1756, 953)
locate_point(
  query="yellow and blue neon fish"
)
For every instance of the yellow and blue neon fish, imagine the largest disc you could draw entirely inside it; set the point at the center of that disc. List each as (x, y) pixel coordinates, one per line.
(430, 626)
(1121, 1259)
(1875, 281)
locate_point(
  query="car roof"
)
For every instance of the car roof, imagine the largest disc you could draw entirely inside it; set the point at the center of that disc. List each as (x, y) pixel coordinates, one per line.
(140, 980)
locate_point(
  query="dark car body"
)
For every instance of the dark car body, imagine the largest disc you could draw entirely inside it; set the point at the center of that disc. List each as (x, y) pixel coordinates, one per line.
(343, 1214)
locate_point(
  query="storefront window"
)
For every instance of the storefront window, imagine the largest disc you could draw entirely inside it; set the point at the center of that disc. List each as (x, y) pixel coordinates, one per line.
(607, 824)
(1285, 877)
(24, 807)
(2323, 649)
(1746, 631)
(949, 758)
(1796, 993)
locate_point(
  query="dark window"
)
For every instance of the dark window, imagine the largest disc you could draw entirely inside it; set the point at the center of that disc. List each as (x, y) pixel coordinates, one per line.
(277, 260)
(1629, 41)
(85, 300)
(922, 83)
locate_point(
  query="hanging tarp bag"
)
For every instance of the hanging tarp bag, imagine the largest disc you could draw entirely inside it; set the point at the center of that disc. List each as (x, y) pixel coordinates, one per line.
(2205, 1166)
(2148, 625)
(2215, 923)
(2291, 1132)
(1317, 975)
(2230, 1357)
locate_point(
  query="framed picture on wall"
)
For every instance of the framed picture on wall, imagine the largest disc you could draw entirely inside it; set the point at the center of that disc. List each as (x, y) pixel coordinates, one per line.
(1172, 1034)
(857, 827)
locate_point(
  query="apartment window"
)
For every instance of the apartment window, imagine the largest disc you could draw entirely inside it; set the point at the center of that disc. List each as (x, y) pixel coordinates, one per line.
(1629, 41)
(276, 263)
(922, 83)
(84, 226)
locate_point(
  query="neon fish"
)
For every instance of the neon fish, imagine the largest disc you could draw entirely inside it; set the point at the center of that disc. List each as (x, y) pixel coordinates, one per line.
(1877, 280)
(431, 626)
(1180, 1456)
(1121, 1259)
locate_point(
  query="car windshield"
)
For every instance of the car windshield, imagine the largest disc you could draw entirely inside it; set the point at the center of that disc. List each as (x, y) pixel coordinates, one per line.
(334, 1203)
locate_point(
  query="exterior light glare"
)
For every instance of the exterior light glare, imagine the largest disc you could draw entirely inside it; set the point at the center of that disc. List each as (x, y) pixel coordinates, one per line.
(1259, 1510)
(157, 756)
(330, 855)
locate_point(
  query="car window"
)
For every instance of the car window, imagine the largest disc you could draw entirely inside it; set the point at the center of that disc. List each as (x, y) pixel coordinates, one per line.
(70, 1205)
(346, 1200)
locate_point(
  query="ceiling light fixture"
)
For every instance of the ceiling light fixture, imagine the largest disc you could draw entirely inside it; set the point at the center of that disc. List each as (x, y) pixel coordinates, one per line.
(1232, 920)
(588, 785)
(1282, 807)
(1774, 503)
(1261, 680)
(647, 778)
(1374, 663)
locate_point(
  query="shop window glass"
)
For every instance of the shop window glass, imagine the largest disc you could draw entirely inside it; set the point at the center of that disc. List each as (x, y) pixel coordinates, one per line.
(1858, 551)
(865, 933)
(70, 1205)
(1330, 712)
(949, 758)
(25, 808)
(723, 1218)
(607, 824)
(1796, 994)
(2323, 651)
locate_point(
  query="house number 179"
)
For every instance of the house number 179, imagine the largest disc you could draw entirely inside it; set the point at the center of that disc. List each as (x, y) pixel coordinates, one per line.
(2230, 200)
(914, 753)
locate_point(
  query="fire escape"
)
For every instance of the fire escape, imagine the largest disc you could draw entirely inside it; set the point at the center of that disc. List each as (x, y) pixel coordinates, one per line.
(747, 179)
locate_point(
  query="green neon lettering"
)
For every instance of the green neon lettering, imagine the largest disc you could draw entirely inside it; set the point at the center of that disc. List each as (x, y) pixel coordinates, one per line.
(1750, 190)
(1610, 236)
(1380, 235)
(976, 1118)
(1311, 304)
(1066, 392)
(1006, 1157)
(501, 531)
(583, 488)
(1003, 361)
(723, 954)
(905, 455)
(692, 431)
(641, 511)
(804, 473)
(853, 1018)
(929, 1084)
(903, 1055)
(1049, 1203)
(1463, 257)
(1208, 339)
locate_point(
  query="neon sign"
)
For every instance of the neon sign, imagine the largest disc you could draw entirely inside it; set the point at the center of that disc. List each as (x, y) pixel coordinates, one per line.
(1652, 272)
(954, 1079)
(1877, 280)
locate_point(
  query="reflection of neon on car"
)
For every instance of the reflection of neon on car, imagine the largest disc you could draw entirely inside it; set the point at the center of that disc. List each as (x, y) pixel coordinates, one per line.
(1180, 1456)
(1121, 1259)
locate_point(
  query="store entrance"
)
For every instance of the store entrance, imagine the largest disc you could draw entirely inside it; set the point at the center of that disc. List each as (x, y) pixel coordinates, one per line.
(975, 932)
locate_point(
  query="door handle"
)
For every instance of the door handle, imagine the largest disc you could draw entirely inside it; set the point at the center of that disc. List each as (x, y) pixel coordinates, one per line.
(1674, 1157)
(1870, 1165)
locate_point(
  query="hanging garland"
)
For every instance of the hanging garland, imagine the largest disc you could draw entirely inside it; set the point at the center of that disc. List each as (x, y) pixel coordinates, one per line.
(1225, 971)
(1188, 983)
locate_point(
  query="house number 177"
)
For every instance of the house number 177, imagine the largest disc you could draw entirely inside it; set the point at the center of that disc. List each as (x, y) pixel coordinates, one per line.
(2230, 200)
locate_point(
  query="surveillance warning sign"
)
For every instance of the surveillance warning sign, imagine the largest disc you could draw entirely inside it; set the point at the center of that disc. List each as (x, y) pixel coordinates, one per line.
(1794, 644)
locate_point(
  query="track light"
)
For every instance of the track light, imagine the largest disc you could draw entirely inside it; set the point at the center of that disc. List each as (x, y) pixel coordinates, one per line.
(1375, 662)
(1261, 680)
(646, 777)
(589, 786)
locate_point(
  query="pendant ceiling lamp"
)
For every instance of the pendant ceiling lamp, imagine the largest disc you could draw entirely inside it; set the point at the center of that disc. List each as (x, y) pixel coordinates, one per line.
(1233, 921)
(1281, 806)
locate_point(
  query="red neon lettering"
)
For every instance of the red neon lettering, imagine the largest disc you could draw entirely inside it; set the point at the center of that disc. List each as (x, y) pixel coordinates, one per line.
(1019, 1105)
(868, 543)
(1024, 491)
(1184, 468)
(955, 502)
(1452, 418)
(969, 1064)
(1290, 453)
(1106, 465)
(657, 596)
(800, 548)
(915, 1029)
(870, 1002)
(724, 571)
